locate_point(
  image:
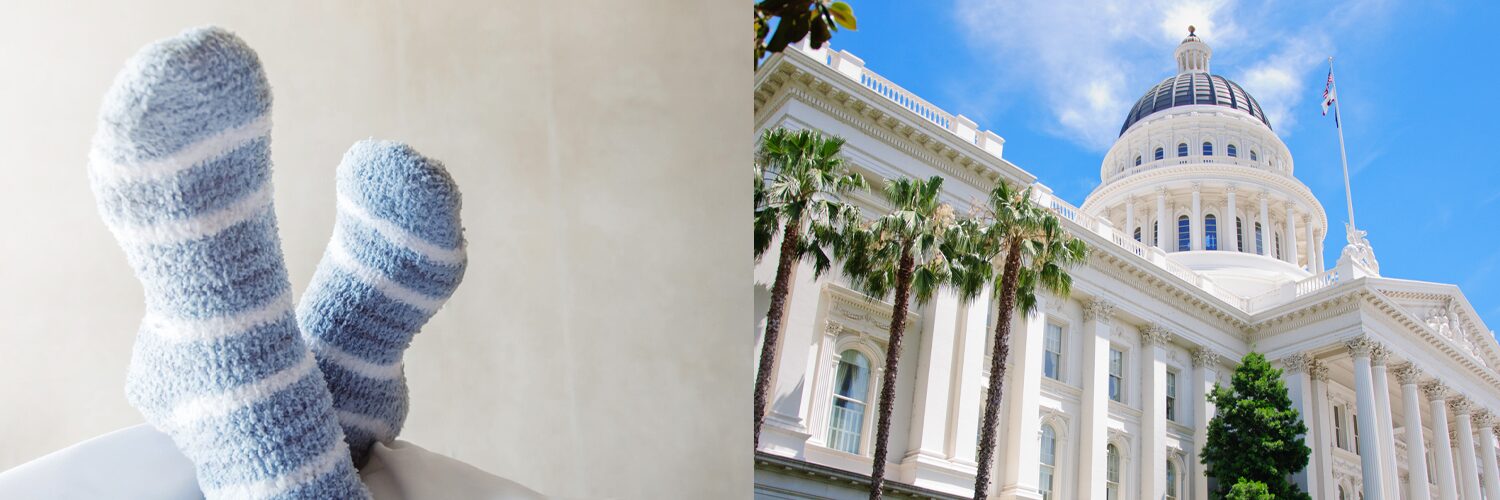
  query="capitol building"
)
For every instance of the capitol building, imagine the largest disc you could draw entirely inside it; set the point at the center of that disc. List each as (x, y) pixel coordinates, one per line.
(1204, 246)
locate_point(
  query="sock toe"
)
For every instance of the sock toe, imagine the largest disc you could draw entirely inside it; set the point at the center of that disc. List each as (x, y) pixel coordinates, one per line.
(397, 184)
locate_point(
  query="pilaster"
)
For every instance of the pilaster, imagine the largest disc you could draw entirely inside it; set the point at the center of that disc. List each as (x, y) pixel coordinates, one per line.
(1093, 431)
(1154, 340)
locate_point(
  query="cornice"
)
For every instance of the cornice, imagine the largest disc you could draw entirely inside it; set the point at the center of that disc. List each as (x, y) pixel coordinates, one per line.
(1379, 303)
(878, 117)
(1117, 263)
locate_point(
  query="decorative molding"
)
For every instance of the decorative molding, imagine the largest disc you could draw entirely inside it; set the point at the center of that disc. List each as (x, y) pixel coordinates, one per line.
(1098, 309)
(1296, 363)
(1204, 356)
(1361, 346)
(1319, 371)
(1436, 390)
(1460, 405)
(1484, 419)
(1379, 354)
(1155, 334)
(1408, 374)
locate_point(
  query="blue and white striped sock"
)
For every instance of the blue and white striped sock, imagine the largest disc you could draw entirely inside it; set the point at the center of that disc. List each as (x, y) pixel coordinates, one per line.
(396, 255)
(182, 172)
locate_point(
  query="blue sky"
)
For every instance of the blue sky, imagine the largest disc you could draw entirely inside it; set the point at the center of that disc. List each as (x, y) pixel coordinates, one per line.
(1417, 86)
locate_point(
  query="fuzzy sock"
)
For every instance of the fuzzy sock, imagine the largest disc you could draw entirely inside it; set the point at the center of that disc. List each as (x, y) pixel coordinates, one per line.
(396, 255)
(181, 170)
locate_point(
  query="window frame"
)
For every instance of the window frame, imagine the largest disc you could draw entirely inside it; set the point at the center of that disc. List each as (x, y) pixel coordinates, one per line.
(1171, 395)
(1137, 160)
(1210, 232)
(1208, 148)
(1057, 367)
(1111, 472)
(1232, 151)
(866, 403)
(1260, 244)
(1173, 481)
(1047, 470)
(1160, 153)
(1182, 149)
(1239, 234)
(1253, 156)
(1184, 233)
(1116, 388)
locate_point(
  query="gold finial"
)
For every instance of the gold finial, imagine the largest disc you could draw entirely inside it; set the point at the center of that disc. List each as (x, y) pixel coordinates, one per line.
(1191, 29)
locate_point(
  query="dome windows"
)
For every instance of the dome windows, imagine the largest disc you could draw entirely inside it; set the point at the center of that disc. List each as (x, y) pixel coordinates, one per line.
(1160, 153)
(1252, 156)
(1137, 160)
(1182, 149)
(1231, 151)
(1208, 148)
(1210, 232)
(1184, 232)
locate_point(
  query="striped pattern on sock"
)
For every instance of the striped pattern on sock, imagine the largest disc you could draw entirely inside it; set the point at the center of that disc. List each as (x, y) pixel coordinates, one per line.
(396, 255)
(181, 170)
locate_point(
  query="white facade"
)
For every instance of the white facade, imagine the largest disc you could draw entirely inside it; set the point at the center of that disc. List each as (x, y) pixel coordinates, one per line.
(1105, 390)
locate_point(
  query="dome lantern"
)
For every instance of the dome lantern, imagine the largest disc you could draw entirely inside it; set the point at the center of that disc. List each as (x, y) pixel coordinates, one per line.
(1192, 55)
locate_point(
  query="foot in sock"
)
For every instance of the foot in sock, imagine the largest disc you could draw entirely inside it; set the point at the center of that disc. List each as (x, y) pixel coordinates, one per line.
(181, 170)
(396, 255)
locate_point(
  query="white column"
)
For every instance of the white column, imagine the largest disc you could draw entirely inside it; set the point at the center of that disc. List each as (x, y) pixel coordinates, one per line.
(1265, 225)
(1416, 449)
(1196, 225)
(1232, 242)
(1323, 453)
(1437, 395)
(1205, 372)
(1299, 386)
(1130, 219)
(1020, 457)
(1161, 218)
(971, 379)
(787, 426)
(1289, 253)
(934, 385)
(1485, 421)
(1095, 405)
(1463, 429)
(1154, 340)
(1385, 429)
(1312, 258)
(1369, 443)
(1322, 233)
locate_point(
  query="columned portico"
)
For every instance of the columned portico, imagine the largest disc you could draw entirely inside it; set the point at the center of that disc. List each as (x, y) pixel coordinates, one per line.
(1437, 401)
(1095, 402)
(1364, 390)
(1416, 449)
(1154, 340)
(1205, 372)
(1463, 429)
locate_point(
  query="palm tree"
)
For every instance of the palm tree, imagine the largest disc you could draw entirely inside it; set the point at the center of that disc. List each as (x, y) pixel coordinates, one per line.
(900, 252)
(1035, 252)
(799, 176)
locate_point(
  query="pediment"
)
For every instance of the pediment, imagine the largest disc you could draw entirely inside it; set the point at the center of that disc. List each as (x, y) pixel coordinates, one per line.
(1444, 312)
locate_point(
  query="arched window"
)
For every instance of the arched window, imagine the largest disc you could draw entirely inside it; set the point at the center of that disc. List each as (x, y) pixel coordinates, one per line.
(1171, 480)
(1111, 473)
(1182, 149)
(1137, 160)
(1252, 156)
(1049, 461)
(1231, 151)
(1208, 148)
(1260, 248)
(1341, 493)
(1239, 234)
(1156, 232)
(1184, 240)
(1278, 245)
(1137, 234)
(850, 390)
(1210, 232)
(1160, 153)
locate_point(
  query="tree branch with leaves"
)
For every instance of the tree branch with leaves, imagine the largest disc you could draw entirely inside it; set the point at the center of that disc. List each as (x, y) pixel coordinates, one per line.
(795, 19)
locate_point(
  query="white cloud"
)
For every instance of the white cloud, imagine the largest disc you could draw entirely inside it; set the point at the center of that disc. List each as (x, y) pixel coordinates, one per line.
(1091, 59)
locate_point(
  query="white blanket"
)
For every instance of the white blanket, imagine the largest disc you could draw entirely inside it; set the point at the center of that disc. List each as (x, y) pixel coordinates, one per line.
(141, 463)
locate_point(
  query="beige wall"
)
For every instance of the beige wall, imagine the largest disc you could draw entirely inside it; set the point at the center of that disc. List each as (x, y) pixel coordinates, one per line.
(595, 348)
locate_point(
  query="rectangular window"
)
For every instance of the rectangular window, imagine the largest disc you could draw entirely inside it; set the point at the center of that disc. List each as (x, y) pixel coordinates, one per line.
(1355, 418)
(1116, 375)
(1338, 428)
(1052, 358)
(1171, 396)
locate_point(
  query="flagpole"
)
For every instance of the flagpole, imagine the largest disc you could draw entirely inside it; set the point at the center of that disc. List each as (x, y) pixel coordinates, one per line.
(1338, 123)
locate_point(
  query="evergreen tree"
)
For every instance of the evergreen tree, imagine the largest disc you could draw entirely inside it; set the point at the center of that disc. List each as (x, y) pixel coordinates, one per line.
(1256, 435)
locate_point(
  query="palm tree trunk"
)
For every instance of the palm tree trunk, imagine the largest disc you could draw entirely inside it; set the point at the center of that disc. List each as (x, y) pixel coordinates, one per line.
(774, 319)
(997, 370)
(888, 379)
